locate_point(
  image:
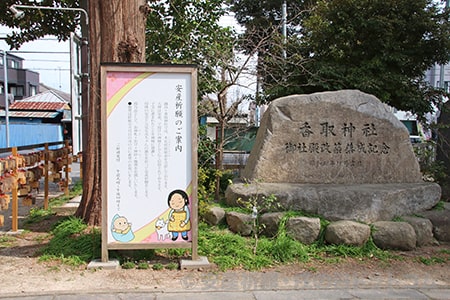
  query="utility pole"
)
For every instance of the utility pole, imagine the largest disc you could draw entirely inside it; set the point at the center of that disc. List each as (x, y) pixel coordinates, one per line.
(442, 67)
(5, 87)
(283, 23)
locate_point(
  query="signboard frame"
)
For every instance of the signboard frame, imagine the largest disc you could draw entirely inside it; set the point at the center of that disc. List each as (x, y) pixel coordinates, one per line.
(119, 81)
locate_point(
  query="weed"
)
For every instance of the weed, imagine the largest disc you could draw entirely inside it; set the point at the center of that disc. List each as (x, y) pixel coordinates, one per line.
(76, 190)
(431, 260)
(440, 206)
(41, 238)
(37, 215)
(172, 266)
(128, 265)
(72, 237)
(312, 269)
(257, 204)
(70, 260)
(135, 255)
(445, 251)
(6, 241)
(157, 267)
(237, 253)
(369, 249)
(54, 268)
(143, 265)
(283, 248)
(173, 253)
(332, 260)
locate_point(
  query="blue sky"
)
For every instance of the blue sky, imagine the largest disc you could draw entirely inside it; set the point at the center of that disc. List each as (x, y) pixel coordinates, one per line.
(47, 56)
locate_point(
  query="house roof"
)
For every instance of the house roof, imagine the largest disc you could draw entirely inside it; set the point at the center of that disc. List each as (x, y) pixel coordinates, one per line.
(42, 106)
(46, 101)
(30, 114)
(62, 95)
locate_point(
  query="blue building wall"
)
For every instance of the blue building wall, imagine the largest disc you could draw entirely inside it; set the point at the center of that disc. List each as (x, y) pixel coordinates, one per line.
(23, 134)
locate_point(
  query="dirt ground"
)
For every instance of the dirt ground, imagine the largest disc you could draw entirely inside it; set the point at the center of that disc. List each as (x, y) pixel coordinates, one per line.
(23, 273)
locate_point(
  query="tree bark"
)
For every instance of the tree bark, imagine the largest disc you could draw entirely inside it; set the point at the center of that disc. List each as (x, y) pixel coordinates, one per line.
(116, 34)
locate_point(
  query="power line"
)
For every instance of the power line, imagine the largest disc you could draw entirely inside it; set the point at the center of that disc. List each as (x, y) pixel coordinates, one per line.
(44, 69)
(4, 35)
(41, 52)
(48, 60)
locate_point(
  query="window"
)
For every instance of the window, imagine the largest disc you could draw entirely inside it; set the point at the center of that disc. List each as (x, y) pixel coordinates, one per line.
(33, 90)
(446, 85)
(16, 90)
(13, 64)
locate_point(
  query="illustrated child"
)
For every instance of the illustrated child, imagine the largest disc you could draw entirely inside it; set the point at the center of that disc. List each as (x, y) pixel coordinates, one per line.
(121, 229)
(179, 215)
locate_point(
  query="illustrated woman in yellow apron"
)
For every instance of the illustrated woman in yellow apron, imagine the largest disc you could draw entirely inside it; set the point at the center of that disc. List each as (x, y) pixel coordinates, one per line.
(179, 215)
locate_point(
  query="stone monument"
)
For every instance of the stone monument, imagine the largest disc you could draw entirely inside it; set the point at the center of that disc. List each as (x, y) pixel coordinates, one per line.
(342, 155)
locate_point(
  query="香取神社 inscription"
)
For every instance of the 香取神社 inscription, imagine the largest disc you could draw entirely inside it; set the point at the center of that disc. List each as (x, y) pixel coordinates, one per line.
(346, 137)
(347, 145)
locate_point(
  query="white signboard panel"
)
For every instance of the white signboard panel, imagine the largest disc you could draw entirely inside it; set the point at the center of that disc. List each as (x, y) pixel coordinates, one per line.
(150, 147)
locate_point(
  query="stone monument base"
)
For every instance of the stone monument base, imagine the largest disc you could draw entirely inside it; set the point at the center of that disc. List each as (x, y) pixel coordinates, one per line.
(360, 202)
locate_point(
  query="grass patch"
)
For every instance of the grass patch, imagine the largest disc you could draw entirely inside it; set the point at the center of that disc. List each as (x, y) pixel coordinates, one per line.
(445, 251)
(72, 260)
(75, 190)
(440, 206)
(171, 266)
(158, 266)
(143, 265)
(73, 242)
(73, 238)
(7, 241)
(37, 215)
(128, 265)
(431, 260)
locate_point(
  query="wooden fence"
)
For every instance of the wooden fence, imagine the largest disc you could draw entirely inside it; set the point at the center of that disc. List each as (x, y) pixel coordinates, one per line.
(21, 173)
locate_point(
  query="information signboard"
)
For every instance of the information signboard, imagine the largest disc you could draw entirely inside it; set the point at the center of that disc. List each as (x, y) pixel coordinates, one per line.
(149, 157)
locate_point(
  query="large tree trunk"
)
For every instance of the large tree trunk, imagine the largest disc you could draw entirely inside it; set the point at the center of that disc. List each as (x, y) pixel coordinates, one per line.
(116, 34)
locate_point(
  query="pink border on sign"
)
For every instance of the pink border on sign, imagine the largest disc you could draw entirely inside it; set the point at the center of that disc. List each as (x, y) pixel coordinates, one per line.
(117, 80)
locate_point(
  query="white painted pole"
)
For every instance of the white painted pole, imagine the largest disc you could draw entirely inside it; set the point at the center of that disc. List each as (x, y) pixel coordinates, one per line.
(283, 20)
(5, 86)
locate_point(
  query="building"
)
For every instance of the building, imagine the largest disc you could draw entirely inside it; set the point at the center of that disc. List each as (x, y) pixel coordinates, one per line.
(42, 118)
(433, 76)
(22, 83)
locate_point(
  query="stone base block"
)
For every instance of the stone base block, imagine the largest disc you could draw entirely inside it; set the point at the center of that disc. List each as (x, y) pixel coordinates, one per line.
(200, 263)
(112, 264)
(360, 202)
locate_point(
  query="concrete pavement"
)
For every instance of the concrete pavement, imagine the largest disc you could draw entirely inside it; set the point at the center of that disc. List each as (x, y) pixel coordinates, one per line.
(332, 293)
(297, 283)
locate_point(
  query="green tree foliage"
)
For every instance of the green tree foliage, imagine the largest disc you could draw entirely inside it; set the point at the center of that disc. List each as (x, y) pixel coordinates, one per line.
(188, 32)
(257, 17)
(38, 23)
(262, 18)
(263, 32)
(379, 47)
